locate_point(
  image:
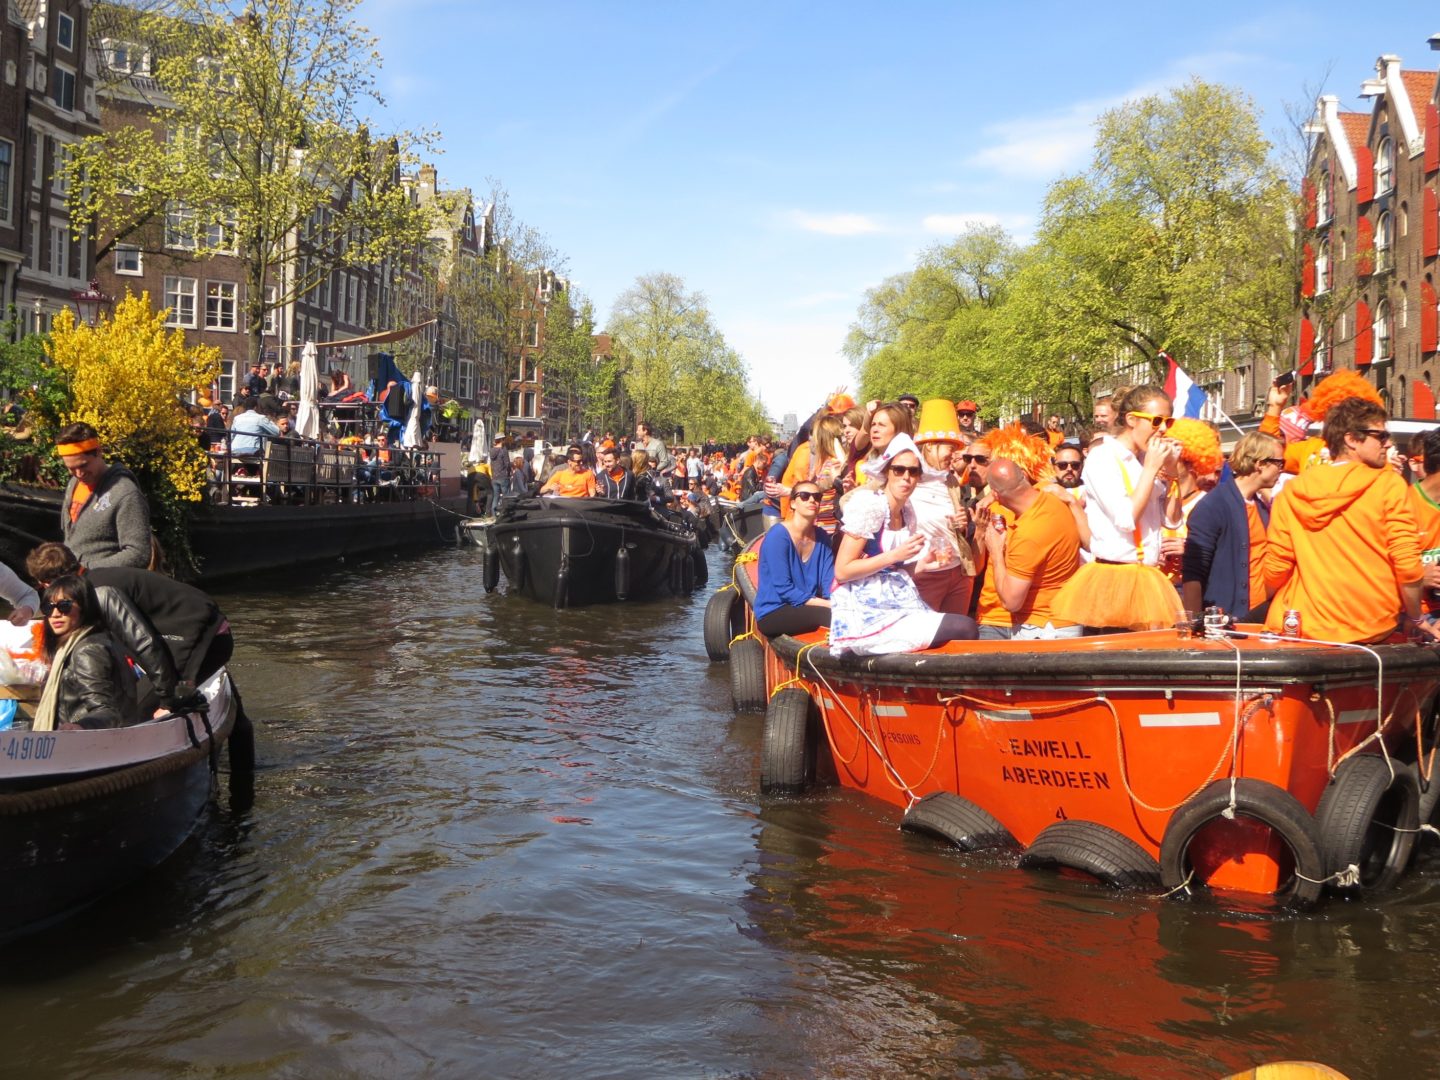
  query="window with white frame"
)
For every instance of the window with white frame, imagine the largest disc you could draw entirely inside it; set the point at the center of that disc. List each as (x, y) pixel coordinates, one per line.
(180, 295)
(59, 158)
(65, 32)
(36, 149)
(227, 378)
(220, 305)
(1382, 330)
(361, 312)
(1385, 242)
(180, 227)
(62, 88)
(1385, 166)
(467, 380)
(7, 162)
(59, 250)
(272, 313)
(1322, 197)
(128, 260)
(1322, 350)
(1322, 267)
(126, 57)
(220, 233)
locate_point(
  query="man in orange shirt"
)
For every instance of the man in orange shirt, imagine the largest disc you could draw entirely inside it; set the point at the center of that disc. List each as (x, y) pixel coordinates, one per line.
(1343, 546)
(1031, 559)
(576, 482)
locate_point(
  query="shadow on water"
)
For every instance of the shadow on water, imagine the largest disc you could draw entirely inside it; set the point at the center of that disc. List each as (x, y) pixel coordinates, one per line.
(492, 838)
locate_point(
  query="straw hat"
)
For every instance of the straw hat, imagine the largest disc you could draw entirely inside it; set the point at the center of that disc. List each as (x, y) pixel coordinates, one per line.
(937, 422)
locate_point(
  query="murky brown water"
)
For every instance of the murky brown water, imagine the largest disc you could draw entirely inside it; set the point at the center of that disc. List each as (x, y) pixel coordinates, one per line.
(489, 840)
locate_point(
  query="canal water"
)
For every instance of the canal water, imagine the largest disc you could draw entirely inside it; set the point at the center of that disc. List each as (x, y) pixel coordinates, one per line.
(493, 840)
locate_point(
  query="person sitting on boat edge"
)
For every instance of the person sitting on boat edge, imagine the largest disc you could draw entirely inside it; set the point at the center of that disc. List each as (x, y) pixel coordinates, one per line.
(1425, 501)
(1224, 561)
(875, 606)
(146, 612)
(612, 479)
(1032, 559)
(90, 683)
(575, 482)
(1343, 547)
(23, 600)
(796, 567)
(103, 516)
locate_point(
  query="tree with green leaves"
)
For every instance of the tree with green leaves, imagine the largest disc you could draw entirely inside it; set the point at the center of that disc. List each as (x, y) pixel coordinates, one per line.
(568, 364)
(250, 139)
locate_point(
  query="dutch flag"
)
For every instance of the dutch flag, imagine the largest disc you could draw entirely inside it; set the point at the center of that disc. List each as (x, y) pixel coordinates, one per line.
(1189, 399)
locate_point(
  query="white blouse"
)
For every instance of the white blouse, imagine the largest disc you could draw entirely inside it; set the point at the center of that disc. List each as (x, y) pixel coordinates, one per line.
(1109, 477)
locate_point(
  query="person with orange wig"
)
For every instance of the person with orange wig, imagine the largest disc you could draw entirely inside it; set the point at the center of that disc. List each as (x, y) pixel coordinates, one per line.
(1301, 449)
(1196, 472)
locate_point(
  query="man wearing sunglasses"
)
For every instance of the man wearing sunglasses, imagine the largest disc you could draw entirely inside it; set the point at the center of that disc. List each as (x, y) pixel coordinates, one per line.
(1067, 462)
(576, 481)
(1343, 546)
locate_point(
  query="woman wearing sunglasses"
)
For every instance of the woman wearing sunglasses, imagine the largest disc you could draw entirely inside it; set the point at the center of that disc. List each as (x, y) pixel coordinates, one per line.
(796, 569)
(90, 684)
(1128, 503)
(876, 607)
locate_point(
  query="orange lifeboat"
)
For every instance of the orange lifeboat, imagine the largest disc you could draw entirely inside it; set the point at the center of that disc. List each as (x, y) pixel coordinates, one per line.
(1242, 764)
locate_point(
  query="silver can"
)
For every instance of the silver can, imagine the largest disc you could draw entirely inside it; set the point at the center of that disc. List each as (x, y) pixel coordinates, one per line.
(1290, 625)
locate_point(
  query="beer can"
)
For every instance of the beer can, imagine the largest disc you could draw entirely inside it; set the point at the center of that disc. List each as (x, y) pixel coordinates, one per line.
(1290, 625)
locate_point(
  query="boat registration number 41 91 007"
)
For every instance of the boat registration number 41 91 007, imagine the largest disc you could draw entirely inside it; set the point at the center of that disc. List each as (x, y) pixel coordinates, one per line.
(28, 747)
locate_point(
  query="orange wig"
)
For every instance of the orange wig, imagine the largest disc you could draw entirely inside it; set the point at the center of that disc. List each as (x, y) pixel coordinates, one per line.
(1200, 445)
(1030, 452)
(1335, 388)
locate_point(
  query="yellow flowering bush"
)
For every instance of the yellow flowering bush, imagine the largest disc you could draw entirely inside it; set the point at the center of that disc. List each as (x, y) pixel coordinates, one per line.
(129, 378)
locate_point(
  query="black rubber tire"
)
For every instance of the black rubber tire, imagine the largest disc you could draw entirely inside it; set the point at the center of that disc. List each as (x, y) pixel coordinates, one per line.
(724, 621)
(747, 675)
(787, 753)
(1098, 850)
(1368, 818)
(702, 567)
(1429, 795)
(622, 573)
(490, 567)
(956, 821)
(1259, 801)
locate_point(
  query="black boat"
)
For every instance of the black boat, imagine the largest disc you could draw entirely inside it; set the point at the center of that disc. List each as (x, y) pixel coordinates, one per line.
(568, 552)
(84, 812)
(740, 524)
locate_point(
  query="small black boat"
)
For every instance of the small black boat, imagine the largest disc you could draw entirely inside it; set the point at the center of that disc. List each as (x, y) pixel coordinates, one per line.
(567, 552)
(740, 524)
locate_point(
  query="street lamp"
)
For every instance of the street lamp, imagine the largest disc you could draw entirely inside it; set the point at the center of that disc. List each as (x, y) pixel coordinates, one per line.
(89, 302)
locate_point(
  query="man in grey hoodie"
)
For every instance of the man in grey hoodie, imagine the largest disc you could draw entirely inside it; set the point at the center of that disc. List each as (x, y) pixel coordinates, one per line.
(104, 517)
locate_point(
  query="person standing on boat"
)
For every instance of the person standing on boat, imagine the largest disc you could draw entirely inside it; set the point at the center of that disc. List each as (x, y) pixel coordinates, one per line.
(575, 482)
(90, 683)
(941, 514)
(646, 440)
(1224, 561)
(1343, 547)
(23, 600)
(1425, 501)
(1196, 471)
(612, 479)
(875, 606)
(176, 632)
(104, 517)
(1128, 502)
(1032, 560)
(796, 569)
(499, 474)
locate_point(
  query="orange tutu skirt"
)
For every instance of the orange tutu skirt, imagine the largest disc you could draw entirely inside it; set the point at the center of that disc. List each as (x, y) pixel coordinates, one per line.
(1130, 595)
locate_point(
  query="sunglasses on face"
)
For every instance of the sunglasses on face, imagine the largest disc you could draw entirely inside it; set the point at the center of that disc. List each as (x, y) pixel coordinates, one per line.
(906, 470)
(975, 459)
(1160, 423)
(1066, 464)
(804, 496)
(62, 606)
(1279, 462)
(1379, 434)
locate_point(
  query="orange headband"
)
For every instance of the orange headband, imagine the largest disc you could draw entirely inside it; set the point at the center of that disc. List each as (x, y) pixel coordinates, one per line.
(82, 447)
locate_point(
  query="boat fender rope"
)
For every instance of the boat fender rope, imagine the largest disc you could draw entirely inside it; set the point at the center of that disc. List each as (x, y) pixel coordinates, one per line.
(190, 731)
(1397, 828)
(1229, 812)
(214, 749)
(825, 712)
(899, 781)
(1184, 886)
(1347, 878)
(796, 679)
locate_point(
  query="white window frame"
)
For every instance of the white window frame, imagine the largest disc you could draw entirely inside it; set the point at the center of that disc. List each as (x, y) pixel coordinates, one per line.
(1384, 340)
(59, 250)
(181, 288)
(1385, 242)
(223, 293)
(64, 75)
(1322, 268)
(221, 233)
(59, 185)
(180, 227)
(65, 28)
(272, 313)
(466, 388)
(1323, 208)
(125, 256)
(1385, 166)
(352, 301)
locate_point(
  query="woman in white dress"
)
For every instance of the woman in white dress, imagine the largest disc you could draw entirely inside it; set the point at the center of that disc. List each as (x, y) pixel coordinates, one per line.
(875, 606)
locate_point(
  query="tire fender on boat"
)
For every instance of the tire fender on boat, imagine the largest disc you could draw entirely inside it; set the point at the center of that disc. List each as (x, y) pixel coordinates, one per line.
(1260, 801)
(959, 822)
(747, 675)
(622, 570)
(521, 566)
(687, 573)
(724, 621)
(702, 568)
(490, 568)
(1110, 857)
(787, 753)
(1368, 819)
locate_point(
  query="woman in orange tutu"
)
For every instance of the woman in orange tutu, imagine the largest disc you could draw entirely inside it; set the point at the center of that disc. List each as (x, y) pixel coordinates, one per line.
(1128, 502)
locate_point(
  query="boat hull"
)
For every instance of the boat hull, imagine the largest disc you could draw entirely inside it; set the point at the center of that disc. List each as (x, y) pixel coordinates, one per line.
(71, 835)
(571, 552)
(741, 524)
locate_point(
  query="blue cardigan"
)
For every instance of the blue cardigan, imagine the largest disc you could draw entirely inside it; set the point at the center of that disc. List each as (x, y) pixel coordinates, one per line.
(785, 579)
(1217, 548)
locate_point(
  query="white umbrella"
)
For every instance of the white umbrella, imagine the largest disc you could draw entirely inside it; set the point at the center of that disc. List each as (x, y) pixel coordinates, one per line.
(478, 445)
(307, 418)
(411, 438)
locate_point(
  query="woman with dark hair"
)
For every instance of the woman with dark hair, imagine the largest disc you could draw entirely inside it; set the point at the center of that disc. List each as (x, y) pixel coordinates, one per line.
(90, 684)
(796, 569)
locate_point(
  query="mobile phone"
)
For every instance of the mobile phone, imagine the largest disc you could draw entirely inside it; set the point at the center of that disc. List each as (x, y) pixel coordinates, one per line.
(1285, 378)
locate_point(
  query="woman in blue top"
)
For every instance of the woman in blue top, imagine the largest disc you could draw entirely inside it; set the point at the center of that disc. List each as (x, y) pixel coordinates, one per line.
(796, 568)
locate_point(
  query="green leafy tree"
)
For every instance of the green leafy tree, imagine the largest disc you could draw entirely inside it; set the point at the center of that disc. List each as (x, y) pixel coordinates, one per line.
(567, 360)
(258, 147)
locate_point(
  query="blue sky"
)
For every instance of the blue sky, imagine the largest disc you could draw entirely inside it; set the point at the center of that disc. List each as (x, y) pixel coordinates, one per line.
(784, 157)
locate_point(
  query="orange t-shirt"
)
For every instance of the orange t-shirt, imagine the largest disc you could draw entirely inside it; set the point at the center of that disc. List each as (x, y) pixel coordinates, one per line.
(1042, 546)
(571, 485)
(1257, 554)
(989, 611)
(1427, 515)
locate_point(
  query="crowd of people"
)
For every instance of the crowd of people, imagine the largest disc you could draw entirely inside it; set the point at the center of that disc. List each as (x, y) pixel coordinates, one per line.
(900, 525)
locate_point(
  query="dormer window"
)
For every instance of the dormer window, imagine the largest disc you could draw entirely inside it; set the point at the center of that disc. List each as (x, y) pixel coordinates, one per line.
(1385, 166)
(126, 57)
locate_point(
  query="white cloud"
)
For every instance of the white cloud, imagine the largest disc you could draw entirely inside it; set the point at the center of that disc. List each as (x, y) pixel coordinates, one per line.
(835, 224)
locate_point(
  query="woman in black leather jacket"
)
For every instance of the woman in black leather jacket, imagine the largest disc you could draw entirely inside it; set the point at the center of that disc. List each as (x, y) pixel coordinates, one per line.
(91, 684)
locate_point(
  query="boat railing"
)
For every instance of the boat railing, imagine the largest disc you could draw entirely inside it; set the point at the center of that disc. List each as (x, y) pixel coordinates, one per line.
(287, 470)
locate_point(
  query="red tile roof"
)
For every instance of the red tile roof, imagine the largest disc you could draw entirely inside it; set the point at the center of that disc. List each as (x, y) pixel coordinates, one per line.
(1421, 87)
(1357, 128)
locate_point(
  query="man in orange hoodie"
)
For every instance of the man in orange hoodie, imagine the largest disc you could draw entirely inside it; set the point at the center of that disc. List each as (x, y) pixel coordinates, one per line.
(1343, 545)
